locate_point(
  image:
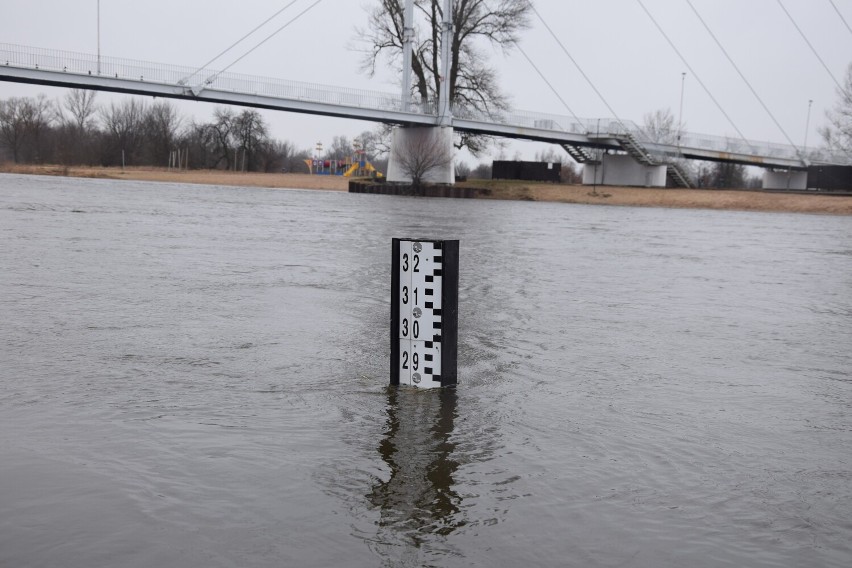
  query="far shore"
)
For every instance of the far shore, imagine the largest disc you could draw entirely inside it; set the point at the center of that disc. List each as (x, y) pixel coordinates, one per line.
(732, 199)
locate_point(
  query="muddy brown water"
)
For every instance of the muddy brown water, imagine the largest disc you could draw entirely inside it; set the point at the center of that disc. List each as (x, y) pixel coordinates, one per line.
(196, 376)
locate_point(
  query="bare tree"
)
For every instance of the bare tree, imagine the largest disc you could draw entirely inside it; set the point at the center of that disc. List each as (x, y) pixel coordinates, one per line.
(40, 118)
(124, 131)
(660, 127)
(221, 133)
(421, 153)
(462, 169)
(476, 23)
(77, 125)
(24, 127)
(199, 141)
(161, 125)
(376, 142)
(727, 175)
(340, 149)
(282, 156)
(13, 126)
(251, 134)
(838, 132)
(80, 104)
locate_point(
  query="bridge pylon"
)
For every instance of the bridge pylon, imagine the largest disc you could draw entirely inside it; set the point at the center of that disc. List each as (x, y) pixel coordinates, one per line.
(425, 152)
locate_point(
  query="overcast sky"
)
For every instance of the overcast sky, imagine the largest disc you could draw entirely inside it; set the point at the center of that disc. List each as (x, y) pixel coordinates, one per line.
(614, 41)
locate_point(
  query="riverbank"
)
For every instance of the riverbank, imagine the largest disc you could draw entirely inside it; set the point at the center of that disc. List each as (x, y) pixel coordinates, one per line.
(204, 177)
(731, 199)
(743, 200)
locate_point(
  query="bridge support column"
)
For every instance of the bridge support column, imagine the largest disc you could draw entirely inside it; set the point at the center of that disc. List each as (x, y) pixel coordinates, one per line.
(619, 169)
(422, 151)
(785, 180)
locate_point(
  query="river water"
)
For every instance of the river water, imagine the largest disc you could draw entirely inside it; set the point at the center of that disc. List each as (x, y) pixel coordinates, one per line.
(196, 376)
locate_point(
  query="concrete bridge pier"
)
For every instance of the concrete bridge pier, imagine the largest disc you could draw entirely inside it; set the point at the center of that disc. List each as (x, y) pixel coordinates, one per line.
(623, 169)
(422, 150)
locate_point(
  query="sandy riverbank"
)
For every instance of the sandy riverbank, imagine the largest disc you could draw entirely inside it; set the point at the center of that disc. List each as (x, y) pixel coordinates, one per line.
(629, 196)
(204, 177)
(740, 200)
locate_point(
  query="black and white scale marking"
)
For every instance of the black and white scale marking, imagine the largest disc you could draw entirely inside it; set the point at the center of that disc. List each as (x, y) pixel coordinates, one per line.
(424, 313)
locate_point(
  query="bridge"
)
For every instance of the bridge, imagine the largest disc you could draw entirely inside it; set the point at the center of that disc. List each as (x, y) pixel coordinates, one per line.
(583, 139)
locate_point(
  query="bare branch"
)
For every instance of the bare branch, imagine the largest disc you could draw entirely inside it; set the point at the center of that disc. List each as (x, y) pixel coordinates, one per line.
(837, 134)
(474, 85)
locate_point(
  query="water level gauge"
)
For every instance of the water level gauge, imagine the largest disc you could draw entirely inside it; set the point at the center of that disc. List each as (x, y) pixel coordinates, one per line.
(424, 312)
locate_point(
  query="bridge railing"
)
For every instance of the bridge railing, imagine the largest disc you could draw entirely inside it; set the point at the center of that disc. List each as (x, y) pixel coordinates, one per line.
(669, 146)
(542, 121)
(189, 77)
(758, 149)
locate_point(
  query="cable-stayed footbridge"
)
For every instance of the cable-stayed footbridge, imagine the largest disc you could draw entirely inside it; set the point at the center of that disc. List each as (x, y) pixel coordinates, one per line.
(582, 138)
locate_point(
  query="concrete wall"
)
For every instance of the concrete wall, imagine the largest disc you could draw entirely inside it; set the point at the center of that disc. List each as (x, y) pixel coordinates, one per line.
(619, 169)
(410, 141)
(785, 180)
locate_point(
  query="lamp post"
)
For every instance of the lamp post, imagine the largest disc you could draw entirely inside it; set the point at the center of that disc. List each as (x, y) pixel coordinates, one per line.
(680, 113)
(807, 125)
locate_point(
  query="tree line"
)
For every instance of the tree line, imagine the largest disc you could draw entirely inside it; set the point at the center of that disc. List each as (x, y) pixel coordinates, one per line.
(77, 130)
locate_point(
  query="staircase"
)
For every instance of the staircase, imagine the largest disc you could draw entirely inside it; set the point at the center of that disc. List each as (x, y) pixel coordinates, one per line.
(579, 154)
(678, 174)
(634, 148)
(675, 171)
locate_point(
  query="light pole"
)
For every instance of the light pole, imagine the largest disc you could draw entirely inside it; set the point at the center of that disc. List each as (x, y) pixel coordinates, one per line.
(807, 125)
(680, 114)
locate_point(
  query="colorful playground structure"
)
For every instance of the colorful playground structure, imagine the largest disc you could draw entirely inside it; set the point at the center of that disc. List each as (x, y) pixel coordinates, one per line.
(347, 168)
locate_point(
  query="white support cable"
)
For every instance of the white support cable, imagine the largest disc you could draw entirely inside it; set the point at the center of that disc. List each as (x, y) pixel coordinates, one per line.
(579, 68)
(233, 45)
(840, 14)
(543, 78)
(741, 74)
(548, 83)
(694, 74)
(841, 90)
(267, 38)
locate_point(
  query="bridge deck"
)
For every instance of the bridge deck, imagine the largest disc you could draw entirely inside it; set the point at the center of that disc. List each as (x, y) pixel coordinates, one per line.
(77, 70)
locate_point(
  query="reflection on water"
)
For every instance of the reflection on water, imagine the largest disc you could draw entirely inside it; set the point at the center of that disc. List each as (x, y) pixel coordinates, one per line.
(418, 500)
